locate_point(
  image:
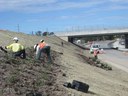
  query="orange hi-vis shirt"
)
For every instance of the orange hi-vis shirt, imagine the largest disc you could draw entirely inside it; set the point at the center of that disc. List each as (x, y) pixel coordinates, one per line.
(42, 45)
(95, 52)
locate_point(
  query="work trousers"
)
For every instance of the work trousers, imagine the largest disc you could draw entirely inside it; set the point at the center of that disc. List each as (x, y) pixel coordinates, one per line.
(41, 52)
(21, 54)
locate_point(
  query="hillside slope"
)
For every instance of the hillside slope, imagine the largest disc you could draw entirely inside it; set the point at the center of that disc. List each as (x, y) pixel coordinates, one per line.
(102, 82)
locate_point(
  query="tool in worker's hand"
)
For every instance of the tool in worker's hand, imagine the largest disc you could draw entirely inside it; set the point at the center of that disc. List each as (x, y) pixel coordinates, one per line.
(3, 49)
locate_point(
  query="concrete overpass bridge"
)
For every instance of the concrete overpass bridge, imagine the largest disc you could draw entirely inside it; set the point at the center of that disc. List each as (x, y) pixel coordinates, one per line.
(106, 34)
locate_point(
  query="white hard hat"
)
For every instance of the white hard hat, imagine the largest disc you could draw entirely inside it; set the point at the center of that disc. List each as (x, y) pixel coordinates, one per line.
(15, 39)
(42, 40)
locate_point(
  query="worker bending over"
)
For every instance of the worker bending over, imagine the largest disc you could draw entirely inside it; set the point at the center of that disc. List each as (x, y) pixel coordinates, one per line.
(42, 48)
(17, 49)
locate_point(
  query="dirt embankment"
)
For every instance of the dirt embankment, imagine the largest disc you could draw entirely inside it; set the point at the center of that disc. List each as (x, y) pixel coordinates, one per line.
(21, 76)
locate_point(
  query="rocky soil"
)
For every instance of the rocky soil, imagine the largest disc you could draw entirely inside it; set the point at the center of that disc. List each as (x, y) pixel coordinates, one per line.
(19, 77)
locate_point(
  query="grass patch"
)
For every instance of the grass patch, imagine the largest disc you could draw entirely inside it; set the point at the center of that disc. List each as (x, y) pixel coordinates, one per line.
(96, 62)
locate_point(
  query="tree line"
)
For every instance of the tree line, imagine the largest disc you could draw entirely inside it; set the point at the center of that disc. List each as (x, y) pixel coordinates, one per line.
(40, 33)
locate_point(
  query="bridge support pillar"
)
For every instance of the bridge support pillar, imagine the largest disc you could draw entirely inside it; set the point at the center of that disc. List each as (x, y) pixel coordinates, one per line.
(70, 39)
(126, 40)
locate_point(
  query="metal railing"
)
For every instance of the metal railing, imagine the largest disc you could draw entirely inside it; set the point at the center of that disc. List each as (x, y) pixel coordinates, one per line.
(91, 32)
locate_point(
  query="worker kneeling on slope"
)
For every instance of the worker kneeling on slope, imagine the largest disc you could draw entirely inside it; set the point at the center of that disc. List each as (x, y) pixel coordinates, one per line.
(17, 49)
(41, 48)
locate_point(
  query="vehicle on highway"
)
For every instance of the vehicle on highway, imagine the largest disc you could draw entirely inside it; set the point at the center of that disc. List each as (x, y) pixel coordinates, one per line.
(94, 47)
(118, 44)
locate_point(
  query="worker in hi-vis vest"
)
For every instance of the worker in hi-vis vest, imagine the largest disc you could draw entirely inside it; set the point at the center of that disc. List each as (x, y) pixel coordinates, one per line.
(17, 49)
(42, 48)
(95, 53)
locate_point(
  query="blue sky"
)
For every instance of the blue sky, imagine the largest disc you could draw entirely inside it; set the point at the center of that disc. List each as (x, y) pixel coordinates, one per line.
(57, 15)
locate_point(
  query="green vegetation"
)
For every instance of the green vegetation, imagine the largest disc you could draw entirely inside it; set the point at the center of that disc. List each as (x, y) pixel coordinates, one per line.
(100, 64)
(96, 62)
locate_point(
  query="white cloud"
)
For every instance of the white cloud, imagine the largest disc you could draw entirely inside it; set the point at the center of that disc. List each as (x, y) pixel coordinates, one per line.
(64, 17)
(22, 4)
(119, 7)
(33, 6)
(118, 0)
(71, 16)
(43, 5)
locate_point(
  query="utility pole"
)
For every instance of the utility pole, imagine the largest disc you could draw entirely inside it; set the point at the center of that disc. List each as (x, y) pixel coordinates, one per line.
(18, 28)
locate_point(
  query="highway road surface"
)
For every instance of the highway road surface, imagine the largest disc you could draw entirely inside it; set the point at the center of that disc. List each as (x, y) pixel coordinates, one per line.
(116, 58)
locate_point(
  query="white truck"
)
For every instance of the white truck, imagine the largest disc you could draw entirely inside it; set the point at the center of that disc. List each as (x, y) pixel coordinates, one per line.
(118, 44)
(94, 47)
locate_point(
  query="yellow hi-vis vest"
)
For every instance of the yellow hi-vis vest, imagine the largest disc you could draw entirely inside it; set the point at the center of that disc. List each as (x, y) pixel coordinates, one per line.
(15, 47)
